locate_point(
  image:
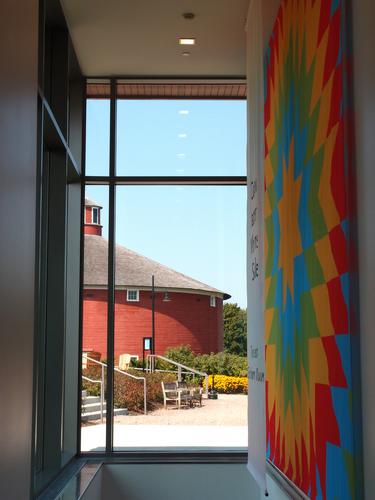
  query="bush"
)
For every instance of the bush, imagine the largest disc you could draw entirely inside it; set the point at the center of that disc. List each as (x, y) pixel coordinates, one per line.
(221, 363)
(128, 392)
(228, 385)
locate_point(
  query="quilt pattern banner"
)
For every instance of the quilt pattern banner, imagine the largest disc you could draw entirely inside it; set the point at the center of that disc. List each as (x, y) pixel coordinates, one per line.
(311, 421)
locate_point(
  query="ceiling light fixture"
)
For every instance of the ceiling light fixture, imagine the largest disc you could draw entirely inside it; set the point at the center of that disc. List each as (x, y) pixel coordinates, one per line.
(186, 41)
(188, 15)
(182, 136)
(184, 111)
(186, 54)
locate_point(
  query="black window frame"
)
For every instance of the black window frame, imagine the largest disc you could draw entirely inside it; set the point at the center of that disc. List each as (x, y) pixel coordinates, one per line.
(112, 181)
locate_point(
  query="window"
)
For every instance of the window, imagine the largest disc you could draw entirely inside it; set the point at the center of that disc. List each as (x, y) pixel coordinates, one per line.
(159, 237)
(132, 295)
(95, 215)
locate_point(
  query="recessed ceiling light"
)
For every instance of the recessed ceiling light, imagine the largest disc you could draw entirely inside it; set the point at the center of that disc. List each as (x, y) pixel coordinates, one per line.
(186, 54)
(188, 15)
(184, 111)
(186, 41)
(181, 155)
(182, 136)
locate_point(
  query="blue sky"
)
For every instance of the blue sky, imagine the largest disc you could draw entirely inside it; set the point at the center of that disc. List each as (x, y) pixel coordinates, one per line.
(197, 230)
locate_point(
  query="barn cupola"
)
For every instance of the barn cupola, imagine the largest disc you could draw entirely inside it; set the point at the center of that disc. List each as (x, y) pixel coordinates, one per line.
(92, 218)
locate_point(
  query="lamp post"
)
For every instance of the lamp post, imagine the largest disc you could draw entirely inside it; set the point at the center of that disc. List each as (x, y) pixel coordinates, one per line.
(153, 314)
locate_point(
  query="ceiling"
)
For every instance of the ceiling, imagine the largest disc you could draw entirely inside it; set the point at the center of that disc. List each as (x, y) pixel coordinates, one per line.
(139, 38)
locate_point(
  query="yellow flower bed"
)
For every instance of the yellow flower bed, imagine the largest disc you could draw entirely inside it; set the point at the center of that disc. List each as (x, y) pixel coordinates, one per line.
(228, 385)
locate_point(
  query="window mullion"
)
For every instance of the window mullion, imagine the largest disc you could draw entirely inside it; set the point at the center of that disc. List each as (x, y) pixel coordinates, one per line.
(111, 273)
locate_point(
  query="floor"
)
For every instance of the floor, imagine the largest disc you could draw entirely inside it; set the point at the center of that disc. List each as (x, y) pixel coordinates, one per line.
(218, 423)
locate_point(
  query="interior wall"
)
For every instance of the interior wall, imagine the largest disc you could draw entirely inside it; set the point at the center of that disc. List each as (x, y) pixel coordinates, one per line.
(182, 481)
(364, 104)
(18, 123)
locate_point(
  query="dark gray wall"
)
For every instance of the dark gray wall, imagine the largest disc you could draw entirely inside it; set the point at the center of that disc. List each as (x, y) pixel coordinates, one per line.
(18, 125)
(364, 101)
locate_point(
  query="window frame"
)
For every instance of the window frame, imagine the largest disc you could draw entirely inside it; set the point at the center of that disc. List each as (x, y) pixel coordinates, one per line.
(97, 211)
(132, 290)
(238, 455)
(213, 300)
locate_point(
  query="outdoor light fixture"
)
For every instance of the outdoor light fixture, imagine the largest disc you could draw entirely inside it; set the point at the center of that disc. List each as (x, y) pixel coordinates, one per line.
(186, 41)
(166, 297)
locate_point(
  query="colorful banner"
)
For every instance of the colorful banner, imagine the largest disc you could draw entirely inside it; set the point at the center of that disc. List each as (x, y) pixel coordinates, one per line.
(311, 408)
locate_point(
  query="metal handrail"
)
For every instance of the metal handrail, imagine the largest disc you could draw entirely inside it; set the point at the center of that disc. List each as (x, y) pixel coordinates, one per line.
(101, 393)
(150, 366)
(103, 365)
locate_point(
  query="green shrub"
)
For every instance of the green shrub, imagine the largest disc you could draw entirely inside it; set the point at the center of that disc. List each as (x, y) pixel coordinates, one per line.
(128, 392)
(221, 363)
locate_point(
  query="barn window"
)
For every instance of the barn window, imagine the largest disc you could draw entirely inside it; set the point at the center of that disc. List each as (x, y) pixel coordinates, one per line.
(213, 301)
(132, 295)
(95, 215)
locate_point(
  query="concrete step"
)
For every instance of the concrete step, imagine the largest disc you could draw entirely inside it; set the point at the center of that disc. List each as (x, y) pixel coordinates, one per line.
(95, 415)
(90, 399)
(87, 407)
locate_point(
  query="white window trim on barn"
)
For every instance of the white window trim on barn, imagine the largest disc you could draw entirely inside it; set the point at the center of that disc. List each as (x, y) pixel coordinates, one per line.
(212, 301)
(96, 209)
(130, 292)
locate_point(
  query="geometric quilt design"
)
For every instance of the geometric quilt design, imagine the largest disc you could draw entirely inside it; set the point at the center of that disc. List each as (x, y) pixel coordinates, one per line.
(308, 328)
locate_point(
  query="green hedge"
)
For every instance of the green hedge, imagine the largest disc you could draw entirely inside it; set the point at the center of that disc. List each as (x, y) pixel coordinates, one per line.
(221, 363)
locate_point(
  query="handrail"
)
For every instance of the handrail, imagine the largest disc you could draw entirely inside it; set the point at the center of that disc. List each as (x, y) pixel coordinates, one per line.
(103, 365)
(150, 366)
(92, 380)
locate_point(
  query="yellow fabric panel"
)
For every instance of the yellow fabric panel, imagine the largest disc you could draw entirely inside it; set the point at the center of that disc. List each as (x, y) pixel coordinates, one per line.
(330, 213)
(322, 310)
(324, 112)
(319, 71)
(325, 256)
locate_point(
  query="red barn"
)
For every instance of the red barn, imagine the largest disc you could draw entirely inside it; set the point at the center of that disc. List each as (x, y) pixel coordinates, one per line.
(186, 311)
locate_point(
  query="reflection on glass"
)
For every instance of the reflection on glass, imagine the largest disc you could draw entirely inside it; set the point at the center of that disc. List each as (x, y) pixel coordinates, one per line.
(156, 137)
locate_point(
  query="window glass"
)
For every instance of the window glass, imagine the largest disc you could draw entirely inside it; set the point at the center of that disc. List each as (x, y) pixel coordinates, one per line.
(175, 245)
(97, 136)
(180, 138)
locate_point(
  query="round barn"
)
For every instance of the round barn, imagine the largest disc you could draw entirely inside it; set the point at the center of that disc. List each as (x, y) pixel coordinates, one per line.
(186, 311)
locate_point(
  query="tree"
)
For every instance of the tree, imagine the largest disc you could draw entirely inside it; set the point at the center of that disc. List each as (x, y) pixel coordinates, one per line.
(235, 329)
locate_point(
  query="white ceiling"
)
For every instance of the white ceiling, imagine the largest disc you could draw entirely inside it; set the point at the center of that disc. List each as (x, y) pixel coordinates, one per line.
(140, 37)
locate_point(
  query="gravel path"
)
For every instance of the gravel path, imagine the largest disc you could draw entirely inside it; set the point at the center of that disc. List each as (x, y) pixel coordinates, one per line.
(229, 409)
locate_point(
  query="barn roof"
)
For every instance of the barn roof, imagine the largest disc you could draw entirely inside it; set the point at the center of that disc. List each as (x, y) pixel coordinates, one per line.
(134, 270)
(91, 203)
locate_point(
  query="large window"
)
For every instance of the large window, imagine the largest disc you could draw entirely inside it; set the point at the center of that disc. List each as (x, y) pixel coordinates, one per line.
(162, 273)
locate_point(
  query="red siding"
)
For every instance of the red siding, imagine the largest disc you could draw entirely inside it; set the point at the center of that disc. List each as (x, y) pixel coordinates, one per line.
(186, 319)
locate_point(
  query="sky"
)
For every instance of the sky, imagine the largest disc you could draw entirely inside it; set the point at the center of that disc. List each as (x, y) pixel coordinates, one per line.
(197, 230)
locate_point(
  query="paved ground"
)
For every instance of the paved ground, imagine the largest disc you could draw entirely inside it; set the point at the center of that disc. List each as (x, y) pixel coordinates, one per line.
(219, 423)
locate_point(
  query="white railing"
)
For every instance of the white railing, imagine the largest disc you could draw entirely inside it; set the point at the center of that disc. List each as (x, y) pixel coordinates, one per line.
(150, 367)
(104, 366)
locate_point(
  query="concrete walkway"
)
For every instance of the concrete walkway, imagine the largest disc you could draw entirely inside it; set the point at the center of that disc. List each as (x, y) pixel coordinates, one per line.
(218, 423)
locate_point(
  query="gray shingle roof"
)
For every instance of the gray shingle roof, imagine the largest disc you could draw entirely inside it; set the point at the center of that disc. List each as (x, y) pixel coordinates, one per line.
(91, 203)
(134, 270)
